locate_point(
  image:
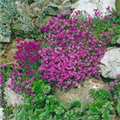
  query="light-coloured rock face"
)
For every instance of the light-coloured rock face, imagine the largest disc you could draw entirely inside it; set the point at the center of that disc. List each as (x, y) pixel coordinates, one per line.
(89, 5)
(110, 67)
(4, 39)
(66, 2)
(11, 97)
(81, 93)
(118, 40)
(1, 113)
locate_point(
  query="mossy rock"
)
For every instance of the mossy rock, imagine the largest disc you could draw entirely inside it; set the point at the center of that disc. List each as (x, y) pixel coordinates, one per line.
(16, 26)
(81, 93)
(117, 5)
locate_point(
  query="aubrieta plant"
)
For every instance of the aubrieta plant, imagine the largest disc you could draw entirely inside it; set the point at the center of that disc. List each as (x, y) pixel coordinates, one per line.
(27, 62)
(74, 51)
(72, 54)
(67, 54)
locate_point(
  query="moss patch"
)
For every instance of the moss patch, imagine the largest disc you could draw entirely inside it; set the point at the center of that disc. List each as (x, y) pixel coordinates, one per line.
(117, 5)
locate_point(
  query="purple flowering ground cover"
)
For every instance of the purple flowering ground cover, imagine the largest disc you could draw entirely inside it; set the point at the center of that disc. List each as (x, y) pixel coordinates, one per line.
(68, 53)
(71, 56)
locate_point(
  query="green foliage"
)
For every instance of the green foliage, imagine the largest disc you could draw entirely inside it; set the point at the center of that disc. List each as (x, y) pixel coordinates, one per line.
(73, 104)
(102, 107)
(113, 41)
(118, 109)
(46, 106)
(100, 94)
(50, 108)
(117, 30)
(7, 13)
(107, 25)
(22, 13)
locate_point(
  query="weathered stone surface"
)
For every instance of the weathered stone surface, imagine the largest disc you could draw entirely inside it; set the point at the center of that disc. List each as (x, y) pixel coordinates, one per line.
(56, 1)
(118, 40)
(81, 93)
(4, 39)
(11, 97)
(89, 5)
(1, 113)
(66, 2)
(110, 67)
(53, 10)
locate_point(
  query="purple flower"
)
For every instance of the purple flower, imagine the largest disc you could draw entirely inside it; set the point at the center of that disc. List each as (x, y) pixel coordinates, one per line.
(42, 29)
(114, 83)
(108, 8)
(118, 76)
(1, 81)
(110, 89)
(33, 101)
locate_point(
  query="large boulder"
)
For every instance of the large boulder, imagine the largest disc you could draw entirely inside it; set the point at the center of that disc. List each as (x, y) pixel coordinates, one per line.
(89, 5)
(81, 93)
(110, 63)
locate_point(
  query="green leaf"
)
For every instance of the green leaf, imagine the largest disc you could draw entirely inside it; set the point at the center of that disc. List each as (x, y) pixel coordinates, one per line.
(75, 103)
(113, 41)
(118, 109)
(95, 110)
(105, 115)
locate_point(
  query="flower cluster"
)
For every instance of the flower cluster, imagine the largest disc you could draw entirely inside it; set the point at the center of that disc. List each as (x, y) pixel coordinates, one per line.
(27, 55)
(27, 58)
(0, 81)
(71, 66)
(21, 82)
(74, 52)
(115, 84)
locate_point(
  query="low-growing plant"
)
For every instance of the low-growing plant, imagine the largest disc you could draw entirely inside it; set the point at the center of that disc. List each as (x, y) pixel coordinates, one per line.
(50, 108)
(69, 52)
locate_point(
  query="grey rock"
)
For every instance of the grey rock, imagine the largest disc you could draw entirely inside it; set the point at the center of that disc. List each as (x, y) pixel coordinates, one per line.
(110, 63)
(4, 39)
(66, 2)
(11, 97)
(89, 5)
(81, 93)
(57, 1)
(53, 10)
(1, 115)
(118, 40)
